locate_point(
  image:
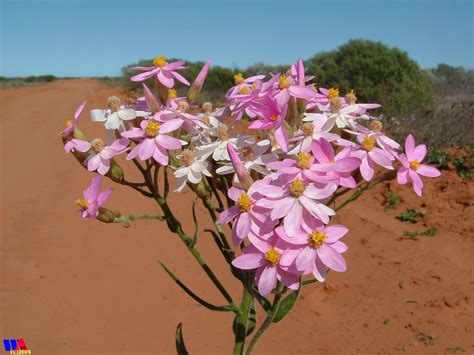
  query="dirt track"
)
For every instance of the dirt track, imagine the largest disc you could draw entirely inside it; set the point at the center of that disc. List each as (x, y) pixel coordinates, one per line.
(70, 286)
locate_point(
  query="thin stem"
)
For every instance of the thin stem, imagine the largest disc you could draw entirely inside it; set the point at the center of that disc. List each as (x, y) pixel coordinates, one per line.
(128, 219)
(268, 321)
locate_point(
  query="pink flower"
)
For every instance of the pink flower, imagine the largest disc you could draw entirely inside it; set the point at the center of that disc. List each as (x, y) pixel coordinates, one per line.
(269, 258)
(164, 71)
(93, 199)
(245, 212)
(319, 249)
(339, 167)
(70, 125)
(101, 154)
(198, 83)
(272, 118)
(153, 142)
(370, 155)
(295, 198)
(411, 168)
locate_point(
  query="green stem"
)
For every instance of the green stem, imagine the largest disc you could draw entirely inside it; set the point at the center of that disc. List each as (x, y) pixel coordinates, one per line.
(241, 321)
(128, 219)
(266, 324)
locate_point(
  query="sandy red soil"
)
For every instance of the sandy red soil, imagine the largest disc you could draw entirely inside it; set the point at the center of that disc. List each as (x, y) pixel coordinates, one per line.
(70, 286)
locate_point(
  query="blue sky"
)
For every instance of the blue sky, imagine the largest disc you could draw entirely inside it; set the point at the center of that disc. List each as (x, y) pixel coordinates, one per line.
(98, 37)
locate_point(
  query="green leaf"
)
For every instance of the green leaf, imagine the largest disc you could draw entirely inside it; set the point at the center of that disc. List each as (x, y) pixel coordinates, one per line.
(251, 321)
(193, 295)
(286, 305)
(180, 347)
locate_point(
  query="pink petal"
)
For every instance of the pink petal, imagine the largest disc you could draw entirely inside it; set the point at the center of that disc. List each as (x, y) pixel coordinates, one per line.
(168, 142)
(281, 207)
(410, 148)
(242, 227)
(293, 219)
(428, 171)
(267, 280)
(234, 193)
(180, 77)
(335, 232)
(228, 214)
(249, 261)
(104, 196)
(147, 148)
(305, 259)
(331, 258)
(402, 176)
(420, 152)
(165, 79)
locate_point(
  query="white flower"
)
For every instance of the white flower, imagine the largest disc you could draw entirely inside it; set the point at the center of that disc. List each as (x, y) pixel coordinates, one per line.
(191, 171)
(254, 158)
(115, 114)
(310, 131)
(218, 148)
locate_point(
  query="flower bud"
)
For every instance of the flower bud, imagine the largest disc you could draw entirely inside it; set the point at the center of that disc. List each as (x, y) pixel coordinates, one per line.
(242, 173)
(105, 215)
(201, 189)
(113, 102)
(207, 107)
(198, 83)
(115, 172)
(375, 126)
(151, 100)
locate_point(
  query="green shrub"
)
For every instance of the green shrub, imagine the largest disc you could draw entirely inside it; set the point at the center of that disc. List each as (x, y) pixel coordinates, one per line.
(377, 73)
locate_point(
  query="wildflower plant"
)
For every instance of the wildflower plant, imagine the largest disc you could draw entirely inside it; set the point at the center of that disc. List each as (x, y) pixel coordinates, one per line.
(271, 193)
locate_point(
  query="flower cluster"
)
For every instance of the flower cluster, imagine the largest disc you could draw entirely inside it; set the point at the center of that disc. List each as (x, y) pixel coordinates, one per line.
(306, 146)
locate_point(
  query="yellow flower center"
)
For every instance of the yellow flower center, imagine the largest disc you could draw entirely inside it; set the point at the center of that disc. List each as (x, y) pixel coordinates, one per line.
(415, 164)
(172, 94)
(98, 145)
(332, 93)
(247, 154)
(68, 123)
(244, 90)
(272, 256)
(351, 97)
(160, 61)
(304, 161)
(238, 78)
(83, 203)
(368, 143)
(244, 202)
(307, 129)
(335, 104)
(152, 129)
(296, 188)
(284, 82)
(273, 117)
(187, 157)
(316, 239)
(222, 132)
(254, 86)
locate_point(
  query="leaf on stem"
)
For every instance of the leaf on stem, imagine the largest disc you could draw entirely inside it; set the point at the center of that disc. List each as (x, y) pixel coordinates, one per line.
(193, 295)
(251, 321)
(180, 347)
(286, 305)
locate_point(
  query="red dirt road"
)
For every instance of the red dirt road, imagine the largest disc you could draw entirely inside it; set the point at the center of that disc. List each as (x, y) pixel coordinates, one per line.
(69, 286)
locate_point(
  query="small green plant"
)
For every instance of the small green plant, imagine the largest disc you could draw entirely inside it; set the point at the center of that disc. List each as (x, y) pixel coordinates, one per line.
(454, 350)
(393, 201)
(411, 215)
(464, 171)
(430, 232)
(425, 339)
(438, 158)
